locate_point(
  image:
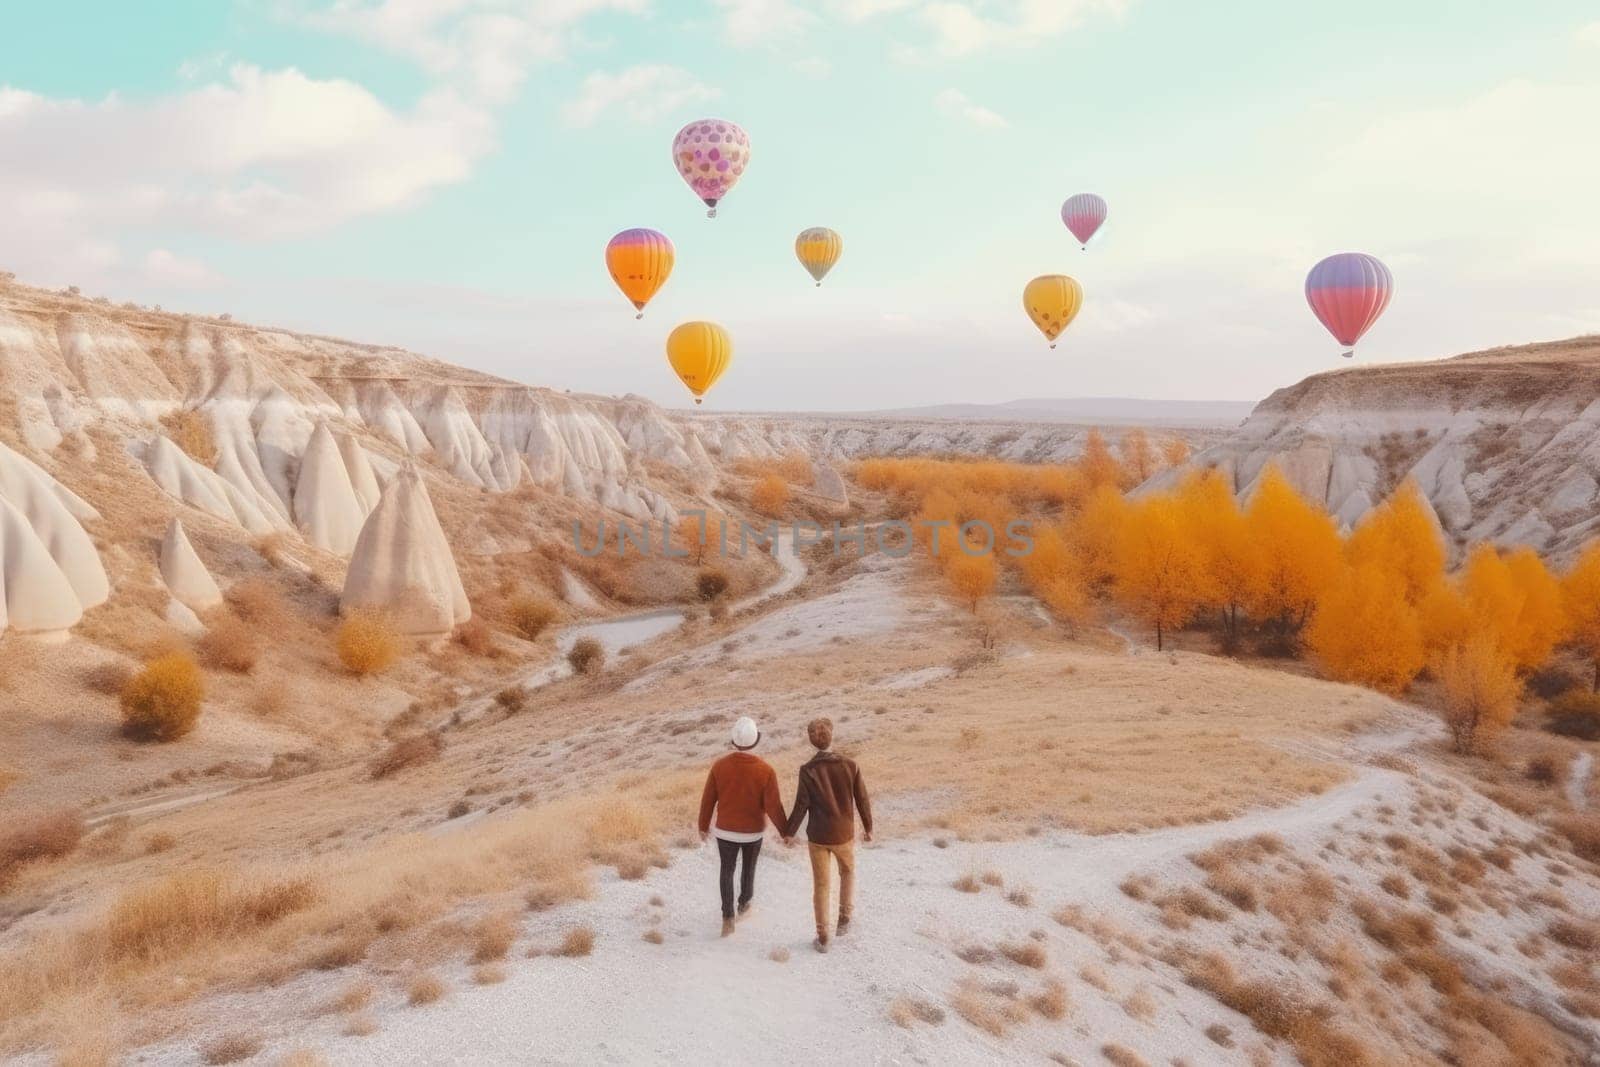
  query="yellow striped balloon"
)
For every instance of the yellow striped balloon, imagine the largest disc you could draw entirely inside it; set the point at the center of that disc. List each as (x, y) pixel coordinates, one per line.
(819, 248)
(699, 352)
(1052, 301)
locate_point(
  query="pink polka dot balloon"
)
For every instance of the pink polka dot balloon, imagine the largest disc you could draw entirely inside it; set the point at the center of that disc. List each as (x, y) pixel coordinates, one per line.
(710, 155)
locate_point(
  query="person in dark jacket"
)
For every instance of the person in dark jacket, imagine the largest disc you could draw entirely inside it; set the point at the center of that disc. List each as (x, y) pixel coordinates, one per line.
(830, 796)
(742, 789)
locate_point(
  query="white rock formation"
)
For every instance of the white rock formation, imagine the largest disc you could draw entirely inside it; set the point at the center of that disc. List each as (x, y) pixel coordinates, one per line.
(827, 483)
(402, 564)
(36, 595)
(52, 513)
(186, 577)
(326, 506)
(183, 477)
(362, 477)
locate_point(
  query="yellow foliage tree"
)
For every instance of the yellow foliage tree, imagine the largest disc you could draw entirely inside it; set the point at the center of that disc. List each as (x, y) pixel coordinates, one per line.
(1175, 452)
(1480, 687)
(972, 576)
(1159, 577)
(1580, 601)
(1541, 624)
(1365, 630)
(1298, 553)
(1400, 537)
(1138, 458)
(1446, 619)
(1095, 533)
(1055, 574)
(770, 495)
(1228, 557)
(1100, 468)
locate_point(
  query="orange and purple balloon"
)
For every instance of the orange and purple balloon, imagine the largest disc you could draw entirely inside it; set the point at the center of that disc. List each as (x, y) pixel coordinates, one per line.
(1083, 214)
(639, 262)
(711, 155)
(1347, 292)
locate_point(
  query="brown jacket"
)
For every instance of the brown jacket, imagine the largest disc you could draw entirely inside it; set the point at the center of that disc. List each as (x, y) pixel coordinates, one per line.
(742, 788)
(831, 791)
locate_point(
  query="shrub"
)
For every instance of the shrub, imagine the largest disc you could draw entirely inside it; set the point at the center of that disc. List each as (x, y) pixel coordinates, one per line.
(512, 699)
(711, 583)
(770, 495)
(230, 1048)
(1543, 770)
(28, 840)
(474, 636)
(531, 616)
(162, 701)
(578, 942)
(228, 645)
(407, 752)
(367, 643)
(424, 989)
(1575, 713)
(1480, 691)
(587, 656)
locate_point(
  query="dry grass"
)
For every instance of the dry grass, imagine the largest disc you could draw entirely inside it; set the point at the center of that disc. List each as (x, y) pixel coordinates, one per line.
(32, 838)
(257, 601)
(301, 1057)
(272, 547)
(1051, 1001)
(494, 937)
(228, 644)
(357, 996)
(1582, 831)
(489, 974)
(988, 1008)
(579, 941)
(190, 430)
(162, 701)
(231, 1048)
(425, 988)
(406, 752)
(967, 883)
(363, 1025)
(1279, 1013)
(655, 937)
(531, 616)
(475, 636)
(907, 1011)
(1024, 953)
(367, 643)
(586, 656)
(1122, 1056)
(107, 678)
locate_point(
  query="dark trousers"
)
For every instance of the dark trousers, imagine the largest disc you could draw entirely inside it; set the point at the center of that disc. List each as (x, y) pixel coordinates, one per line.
(729, 852)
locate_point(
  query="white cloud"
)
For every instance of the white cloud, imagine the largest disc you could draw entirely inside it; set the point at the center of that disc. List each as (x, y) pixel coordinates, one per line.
(965, 28)
(170, 270)
(482, 47)
(1589, 35)
(749, 22)
(640, 94)
(954, 104)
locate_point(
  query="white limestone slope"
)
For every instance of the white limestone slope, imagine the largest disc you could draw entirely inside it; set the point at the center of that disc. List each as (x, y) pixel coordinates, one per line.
(50, 571)
(402, 564)
(185, 576)
(1504, 444)
(326, 506)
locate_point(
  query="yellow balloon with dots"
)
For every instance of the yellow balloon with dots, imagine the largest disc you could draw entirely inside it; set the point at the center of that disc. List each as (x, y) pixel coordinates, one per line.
(1052, 301)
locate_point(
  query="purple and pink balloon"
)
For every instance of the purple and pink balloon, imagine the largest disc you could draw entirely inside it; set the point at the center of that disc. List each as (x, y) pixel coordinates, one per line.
(711, 155)
(1347, 292)
(1083, 214)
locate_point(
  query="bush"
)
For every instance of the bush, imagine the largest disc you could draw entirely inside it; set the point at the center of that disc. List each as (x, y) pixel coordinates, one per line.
(27, 840)
(1575, 713)
(587, 656)
(531, 616)
(228, 645)
(407, 752)
(367, 643)
(711, 583)
(770, 495)
(512, 698)
(162, 702)
(474, 636)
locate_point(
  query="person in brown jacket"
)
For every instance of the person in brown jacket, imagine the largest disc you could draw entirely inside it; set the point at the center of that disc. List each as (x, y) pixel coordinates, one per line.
(830, 795)
(742, 789)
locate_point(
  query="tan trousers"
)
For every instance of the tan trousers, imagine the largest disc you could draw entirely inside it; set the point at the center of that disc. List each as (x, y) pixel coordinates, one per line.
(821, 880)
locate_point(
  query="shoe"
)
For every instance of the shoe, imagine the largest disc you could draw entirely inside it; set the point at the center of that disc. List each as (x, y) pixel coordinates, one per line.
(727, 927)
(843, 928)
(821, 943)
(744, 909)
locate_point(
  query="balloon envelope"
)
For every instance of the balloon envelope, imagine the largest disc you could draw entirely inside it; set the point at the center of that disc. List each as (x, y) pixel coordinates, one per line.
(1347, 292)
(699, 352)
(639, 262)
(711, 155)
(1052, 301)
(1083, 215)
(819, 248)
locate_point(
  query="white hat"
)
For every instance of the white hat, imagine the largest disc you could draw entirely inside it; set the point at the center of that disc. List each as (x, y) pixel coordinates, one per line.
(745, 734)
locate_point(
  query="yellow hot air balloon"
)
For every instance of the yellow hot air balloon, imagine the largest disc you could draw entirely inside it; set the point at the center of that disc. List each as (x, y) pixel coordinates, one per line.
(819, 248)
(699, 352)
(639, 262)
(1052, 301)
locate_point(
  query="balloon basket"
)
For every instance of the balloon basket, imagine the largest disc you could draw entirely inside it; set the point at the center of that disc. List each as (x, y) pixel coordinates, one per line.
(711, 212)
(819, 285)
(698, 401)
(639, 316)
(1350, 354)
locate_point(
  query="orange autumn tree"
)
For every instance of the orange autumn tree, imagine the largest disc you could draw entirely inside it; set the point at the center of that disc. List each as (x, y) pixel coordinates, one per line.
(1228, 557)
(1175, 452)
(1365, 630)
(1055, 575)
(1480, 686)
(1542, 623)
(1158, 574)
(1580, 601)
(770, 495)
(1299, 553)
(973, 577)
(1095, 533)
(1138, 457)
(1401, 537)
(1100, 468)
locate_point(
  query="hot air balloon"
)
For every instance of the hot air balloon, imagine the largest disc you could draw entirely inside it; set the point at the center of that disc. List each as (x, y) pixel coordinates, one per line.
(639, 262)
(1347, 292)
(711, 154)
(819, 248)
(1083, 215)
(1052, 301)
(699, 352)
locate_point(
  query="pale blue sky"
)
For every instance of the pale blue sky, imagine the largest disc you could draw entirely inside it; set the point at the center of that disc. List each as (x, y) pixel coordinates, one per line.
(444, 174)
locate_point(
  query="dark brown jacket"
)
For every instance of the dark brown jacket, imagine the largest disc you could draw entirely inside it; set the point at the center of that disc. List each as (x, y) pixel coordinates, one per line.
(743, 790)
(831, 791)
